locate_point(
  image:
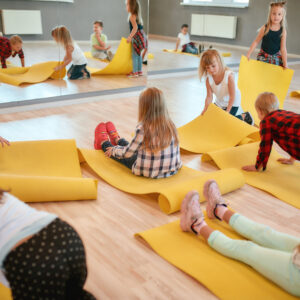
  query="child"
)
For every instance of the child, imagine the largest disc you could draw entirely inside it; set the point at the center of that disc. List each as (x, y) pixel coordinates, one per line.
(279, 125)
(273, 36)
(73, 54)
(154, 151)
(3, 141)
(137, 36)
(41, 256)
(11, 47)
(273, 254)
(220, 81)
(183, 41)
(98, 41)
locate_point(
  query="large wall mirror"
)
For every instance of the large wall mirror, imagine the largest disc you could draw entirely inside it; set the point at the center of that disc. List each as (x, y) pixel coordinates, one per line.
(34, 20)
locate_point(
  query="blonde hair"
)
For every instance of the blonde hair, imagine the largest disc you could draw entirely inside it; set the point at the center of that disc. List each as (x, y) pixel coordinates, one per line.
(135, 9)
(283, 21)
(267, 102)
(206, 60)
(15, 39)
(62, 35)
(159, 130)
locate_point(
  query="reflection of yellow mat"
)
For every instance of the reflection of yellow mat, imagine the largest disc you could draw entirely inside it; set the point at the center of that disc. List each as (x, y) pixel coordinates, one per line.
(225, 54)
(280, 180)
(256, 77)
(216, 129)
(295, 94)
(34, 74)
(228, 279)
(172, 190)
(5, 293)
(89, 55)
(44, 171)
(121, 63)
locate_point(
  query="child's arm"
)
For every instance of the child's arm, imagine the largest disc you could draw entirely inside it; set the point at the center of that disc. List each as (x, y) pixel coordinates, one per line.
(231, 90)
(177, 44)
(67, 58)
(23, 62)
(4, 141)
(209, 96)
(102, 44)
(283, 49)
(256, 41)
(3, 62)
(132, 20)
(21, 55)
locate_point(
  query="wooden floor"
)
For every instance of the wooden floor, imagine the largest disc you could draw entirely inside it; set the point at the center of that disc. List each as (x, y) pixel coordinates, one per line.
(121, 267)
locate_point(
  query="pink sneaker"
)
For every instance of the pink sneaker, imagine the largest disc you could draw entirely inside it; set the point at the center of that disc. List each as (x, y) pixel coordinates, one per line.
(191, 212)
(133, 75)
(112, 132)
(213, 197)
(100, 136)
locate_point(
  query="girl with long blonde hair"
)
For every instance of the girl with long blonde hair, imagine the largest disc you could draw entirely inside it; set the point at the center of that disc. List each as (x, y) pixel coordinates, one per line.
(154, 151)
(73, 54)
(273, 36)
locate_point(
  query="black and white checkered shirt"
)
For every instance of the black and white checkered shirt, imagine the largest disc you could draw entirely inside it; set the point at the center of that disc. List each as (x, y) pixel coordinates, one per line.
(160, 164)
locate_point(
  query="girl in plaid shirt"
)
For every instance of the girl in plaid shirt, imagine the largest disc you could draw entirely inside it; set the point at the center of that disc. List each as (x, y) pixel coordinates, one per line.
(277, 125)
(154, 151)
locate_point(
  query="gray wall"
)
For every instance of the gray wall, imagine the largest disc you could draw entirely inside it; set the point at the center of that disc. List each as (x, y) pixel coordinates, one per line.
(79, 16)
(166, 17)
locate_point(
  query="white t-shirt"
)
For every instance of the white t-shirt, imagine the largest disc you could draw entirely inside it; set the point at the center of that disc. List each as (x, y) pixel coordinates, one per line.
(78, 57)
(184, 39)
(221, 91)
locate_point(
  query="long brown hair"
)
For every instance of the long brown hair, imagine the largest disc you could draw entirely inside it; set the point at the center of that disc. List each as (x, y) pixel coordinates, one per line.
(62, 35)
(135, 9)
(159, 130)
(283, 21)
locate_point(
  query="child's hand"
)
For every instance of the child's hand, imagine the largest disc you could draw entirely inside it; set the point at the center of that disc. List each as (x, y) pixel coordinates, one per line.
(286, 161)
(3, 141)
(108, 152)
(250, 168)
(57, 68)
(108, 47)
(284, 67)
(129, 39)
(203, 111)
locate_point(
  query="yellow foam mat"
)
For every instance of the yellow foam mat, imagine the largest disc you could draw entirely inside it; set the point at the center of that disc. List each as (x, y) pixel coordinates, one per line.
(5, 293)
(216, 129)
(295, 94)
(280, 180)
(38, 171)
(171, 190)
(228, 279)
(89, 55)
(256, 77)
(225, 54)
(34, 74)
(121, 63)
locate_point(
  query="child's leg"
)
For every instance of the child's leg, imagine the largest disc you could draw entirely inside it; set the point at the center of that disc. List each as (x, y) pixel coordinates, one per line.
(135, 61)
(273, 264)
(140, 63)
(234, 110)
(77, 72)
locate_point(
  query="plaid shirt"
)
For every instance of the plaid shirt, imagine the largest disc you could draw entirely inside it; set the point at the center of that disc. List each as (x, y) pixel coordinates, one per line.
(284, 128)
(160, 164)
(6, 51)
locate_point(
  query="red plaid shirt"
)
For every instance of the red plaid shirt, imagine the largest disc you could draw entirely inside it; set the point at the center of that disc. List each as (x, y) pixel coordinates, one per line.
(6, 51)
(283, 127)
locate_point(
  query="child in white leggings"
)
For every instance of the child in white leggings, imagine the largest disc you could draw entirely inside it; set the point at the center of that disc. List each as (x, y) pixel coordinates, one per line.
(273, 254)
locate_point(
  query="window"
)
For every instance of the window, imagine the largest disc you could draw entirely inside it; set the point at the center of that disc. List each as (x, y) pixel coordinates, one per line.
(222, 3)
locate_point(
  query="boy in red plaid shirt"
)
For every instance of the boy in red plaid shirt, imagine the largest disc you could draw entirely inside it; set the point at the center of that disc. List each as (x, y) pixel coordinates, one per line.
(11, 47)
(277, 125)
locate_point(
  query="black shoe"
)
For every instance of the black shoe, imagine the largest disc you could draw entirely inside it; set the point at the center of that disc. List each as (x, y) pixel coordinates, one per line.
(210, 46)
(248, 118)
(145, 62)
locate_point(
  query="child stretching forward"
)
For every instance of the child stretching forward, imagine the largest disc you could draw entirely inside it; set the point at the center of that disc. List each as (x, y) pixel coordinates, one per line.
(279, 125)
(154, 151)
(273, 36)
(73, 54)
(11, 47)
(220, 81)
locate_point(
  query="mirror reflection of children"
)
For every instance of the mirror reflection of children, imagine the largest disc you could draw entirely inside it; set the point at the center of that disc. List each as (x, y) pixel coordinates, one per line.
(277, 125)
(99, 49)
(11, 47)
(273, 254)
(73, 54)
(184, 43)
(273, 36)
(137, 36)
(220, 81)
(154, 151)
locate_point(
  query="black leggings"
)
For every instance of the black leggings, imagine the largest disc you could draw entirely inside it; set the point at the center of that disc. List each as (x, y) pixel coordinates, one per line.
(78, 71)
(233, 111)
(128, 162)
(50, 265)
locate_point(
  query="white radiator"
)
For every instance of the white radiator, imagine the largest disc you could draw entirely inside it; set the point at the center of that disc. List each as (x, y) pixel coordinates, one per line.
(214, 25)
(21, 21)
